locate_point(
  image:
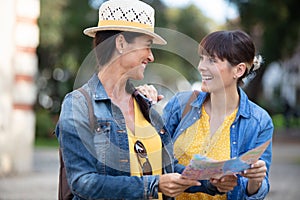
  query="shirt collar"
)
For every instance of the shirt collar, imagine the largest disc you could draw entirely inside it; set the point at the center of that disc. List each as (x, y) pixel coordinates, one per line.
(97, 88)
(244, 106)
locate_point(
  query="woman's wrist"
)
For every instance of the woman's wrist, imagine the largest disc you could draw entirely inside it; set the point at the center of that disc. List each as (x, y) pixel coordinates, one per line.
(253, 186)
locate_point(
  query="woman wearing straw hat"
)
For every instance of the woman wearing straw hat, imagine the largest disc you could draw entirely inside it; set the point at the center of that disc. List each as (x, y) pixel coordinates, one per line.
(118, 152)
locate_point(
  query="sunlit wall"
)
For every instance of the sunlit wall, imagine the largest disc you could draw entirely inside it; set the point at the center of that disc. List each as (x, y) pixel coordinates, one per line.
(19, 39)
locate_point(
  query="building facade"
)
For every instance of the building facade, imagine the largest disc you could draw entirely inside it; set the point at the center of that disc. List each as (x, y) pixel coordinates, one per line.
(18, 68)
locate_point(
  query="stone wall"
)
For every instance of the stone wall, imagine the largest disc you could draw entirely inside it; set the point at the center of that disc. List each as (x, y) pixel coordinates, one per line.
(19, 38)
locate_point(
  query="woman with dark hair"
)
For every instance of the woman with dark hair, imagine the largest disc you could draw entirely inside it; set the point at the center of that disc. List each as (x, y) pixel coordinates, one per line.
(115, 151)
(222, 123)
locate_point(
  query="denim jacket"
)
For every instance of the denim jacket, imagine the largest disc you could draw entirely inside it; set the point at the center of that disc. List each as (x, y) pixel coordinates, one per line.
(252, 127)
(97, 161)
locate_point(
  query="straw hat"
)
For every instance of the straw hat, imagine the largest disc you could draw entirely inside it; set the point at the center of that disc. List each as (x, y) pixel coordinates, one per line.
(126, 15)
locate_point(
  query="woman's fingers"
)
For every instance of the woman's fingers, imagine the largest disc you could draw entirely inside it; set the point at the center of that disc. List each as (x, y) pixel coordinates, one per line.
(150, 92)
(174, 184)
(226, 183)
(258, 170)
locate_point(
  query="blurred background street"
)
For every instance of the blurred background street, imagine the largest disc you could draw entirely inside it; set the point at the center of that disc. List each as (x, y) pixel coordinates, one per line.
(41, 184)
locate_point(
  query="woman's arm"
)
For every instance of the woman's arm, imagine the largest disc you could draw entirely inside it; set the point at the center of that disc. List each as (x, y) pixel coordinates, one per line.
(255, 181)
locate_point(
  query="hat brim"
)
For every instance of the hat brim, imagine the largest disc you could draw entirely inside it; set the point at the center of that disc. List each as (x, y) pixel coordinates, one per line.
(156, 38)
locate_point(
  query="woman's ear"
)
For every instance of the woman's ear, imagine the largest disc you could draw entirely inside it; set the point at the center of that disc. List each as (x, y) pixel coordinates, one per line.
(120, 43)
(240, 70)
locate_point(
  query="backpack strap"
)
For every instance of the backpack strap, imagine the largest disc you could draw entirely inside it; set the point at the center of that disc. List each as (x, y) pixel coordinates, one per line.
(90, 107)
(64, 191)
(187, 108)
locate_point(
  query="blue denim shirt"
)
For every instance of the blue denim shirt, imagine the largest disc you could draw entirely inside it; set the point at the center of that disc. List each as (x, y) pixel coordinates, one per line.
(97, 161)
(252, 127)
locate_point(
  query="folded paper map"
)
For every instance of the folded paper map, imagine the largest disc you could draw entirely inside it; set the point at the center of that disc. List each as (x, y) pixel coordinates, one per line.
(203, 168)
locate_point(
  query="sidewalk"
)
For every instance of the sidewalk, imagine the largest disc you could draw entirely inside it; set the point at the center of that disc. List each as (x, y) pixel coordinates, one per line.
(41, 184)
(284, 172)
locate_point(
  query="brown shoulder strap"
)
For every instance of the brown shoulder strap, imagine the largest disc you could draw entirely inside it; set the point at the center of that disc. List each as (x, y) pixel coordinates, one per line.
(90, 107)
(188, 104)
(64, 192)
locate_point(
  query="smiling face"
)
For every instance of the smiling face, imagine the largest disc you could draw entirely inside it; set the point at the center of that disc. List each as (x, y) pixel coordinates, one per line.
(235, 48)
(136, 55)
(217, 75)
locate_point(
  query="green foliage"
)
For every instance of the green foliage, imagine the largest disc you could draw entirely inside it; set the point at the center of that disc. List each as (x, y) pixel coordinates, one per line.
(190, 21)
(275, 27)
(45, 124)
(63, 46)
(277, 22)
(51, 23)
(280, 121)
(46, 142)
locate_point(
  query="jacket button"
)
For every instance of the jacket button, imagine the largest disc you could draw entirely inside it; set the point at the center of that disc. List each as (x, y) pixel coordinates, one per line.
(162, 131)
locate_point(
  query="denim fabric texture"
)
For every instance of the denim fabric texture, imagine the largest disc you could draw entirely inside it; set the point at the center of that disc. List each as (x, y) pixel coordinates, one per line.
(252, 127)
(97, 161)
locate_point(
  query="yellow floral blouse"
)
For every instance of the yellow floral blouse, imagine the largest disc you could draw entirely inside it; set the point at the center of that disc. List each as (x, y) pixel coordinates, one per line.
(197, 139)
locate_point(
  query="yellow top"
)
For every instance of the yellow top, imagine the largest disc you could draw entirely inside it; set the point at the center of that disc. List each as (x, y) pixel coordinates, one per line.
(197, 140)
(147, 134)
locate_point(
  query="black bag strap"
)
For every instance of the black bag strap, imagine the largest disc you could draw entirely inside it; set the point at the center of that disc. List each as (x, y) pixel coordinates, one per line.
(187, 108)
(143, 102)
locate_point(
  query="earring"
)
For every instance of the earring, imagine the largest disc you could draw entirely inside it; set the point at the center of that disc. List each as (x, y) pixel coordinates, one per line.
(234, 77)
(120, 51)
